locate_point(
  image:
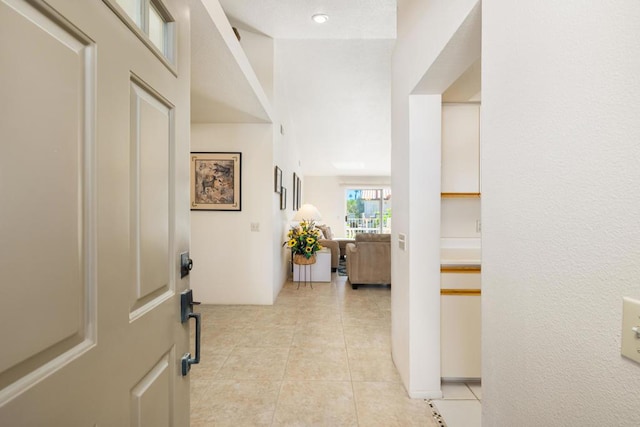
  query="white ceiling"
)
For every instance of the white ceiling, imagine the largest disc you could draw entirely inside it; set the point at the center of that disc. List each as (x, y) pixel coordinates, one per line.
(291, 19)
(334, 78)
(333, 81)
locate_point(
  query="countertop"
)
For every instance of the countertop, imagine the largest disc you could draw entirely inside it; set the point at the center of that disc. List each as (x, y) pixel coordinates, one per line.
(460, 254)
(452, 257)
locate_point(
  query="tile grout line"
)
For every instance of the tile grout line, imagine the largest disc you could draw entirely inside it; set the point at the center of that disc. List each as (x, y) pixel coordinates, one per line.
(284, 373)
(346, 349)
(436, 414)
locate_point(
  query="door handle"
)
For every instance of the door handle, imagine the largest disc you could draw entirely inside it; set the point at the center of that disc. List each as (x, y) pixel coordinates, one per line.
(187, 360)
(186, 313)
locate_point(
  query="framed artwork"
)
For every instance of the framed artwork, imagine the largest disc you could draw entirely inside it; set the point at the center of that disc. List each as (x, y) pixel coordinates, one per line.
(277, 180)
(299, 193)
(216, 181)
(283, 198)
(294, 206)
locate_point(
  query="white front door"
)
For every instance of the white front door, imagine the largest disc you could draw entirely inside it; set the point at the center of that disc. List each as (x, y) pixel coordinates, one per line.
(94, 142)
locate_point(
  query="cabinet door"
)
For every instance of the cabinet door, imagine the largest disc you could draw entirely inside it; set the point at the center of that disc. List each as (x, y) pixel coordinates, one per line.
(460, 323)
(460, 148)
(460, 344)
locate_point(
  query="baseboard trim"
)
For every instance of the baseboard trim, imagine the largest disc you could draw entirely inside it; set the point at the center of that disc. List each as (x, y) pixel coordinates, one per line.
(462, 379)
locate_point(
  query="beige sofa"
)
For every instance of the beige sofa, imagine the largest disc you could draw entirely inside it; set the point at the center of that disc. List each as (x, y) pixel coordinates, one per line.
(333, 246)
(369, 260)
(342, 243)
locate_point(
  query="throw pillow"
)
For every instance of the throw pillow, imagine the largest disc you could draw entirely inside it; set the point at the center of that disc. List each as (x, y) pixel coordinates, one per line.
(326, 231)
(323, 229)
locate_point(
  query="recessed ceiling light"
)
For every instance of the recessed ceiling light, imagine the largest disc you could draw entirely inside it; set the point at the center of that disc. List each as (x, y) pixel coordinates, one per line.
(320, 18)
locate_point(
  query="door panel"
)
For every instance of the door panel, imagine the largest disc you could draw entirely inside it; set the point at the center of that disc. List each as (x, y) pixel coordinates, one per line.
(43, 225)
(460, 148)
(94, 214)
(151, 397)
(151, 144)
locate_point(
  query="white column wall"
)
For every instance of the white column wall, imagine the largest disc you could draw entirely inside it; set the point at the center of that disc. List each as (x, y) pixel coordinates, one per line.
(424, 29)
(424, 245)
(560, 211)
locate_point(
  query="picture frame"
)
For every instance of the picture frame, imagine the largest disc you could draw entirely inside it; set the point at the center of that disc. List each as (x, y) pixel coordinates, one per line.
(277, 179)
(299, 193)
(294, 206)
(216, 181)
(283, 198)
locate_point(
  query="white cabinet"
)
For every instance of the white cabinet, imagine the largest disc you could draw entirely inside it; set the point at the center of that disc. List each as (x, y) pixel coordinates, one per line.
(460, 148)
(318, 272)
(460, 325)
(460, 301)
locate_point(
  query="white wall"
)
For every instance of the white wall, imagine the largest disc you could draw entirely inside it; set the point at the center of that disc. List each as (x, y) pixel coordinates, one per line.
(232, 264)
(286, 156)
(254, 264)
(424, 29)
(327, 193)
(260, 52)
(560, 209)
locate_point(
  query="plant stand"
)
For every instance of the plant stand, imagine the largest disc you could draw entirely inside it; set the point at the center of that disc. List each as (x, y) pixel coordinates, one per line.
(304, 265)
(318, 272)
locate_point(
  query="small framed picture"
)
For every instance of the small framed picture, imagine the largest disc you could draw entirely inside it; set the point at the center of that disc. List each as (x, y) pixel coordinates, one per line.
(298, 194)
(216, 181)
(283, 198)
(277, 179)
(294, 206)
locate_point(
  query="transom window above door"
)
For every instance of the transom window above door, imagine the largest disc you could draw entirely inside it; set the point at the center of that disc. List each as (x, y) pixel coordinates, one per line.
(152, 23)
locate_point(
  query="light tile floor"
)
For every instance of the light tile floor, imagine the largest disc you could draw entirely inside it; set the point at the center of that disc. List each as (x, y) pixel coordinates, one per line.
(317, 357)
(460, 405)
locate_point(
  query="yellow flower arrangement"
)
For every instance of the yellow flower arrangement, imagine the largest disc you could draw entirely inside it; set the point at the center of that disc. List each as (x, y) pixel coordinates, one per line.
(303, 239)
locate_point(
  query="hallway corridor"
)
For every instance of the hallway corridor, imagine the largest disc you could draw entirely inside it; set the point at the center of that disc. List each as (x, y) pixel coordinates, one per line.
(317, 357)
